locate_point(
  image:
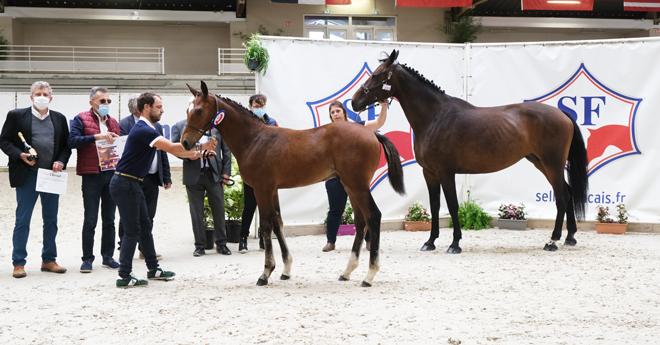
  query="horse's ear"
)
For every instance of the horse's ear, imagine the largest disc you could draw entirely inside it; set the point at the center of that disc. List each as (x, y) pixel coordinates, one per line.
(193, 91)
(205, 90)
(392, 57)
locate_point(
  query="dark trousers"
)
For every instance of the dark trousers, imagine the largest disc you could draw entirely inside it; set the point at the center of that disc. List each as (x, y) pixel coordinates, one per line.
(250, 206)
(150, 190)
(337, 199)
(215, 193)
(129, 197)
(26, 198)
(95, 189)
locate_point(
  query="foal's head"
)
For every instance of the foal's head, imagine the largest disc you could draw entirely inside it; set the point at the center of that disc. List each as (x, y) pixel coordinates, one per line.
(377, 88)
(200, 116)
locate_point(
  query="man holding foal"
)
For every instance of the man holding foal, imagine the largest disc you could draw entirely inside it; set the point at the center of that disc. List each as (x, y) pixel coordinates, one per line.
(126, 189)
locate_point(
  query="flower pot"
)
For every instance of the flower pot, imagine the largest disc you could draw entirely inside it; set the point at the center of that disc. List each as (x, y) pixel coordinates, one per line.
(417, 226)
(210, 237)
(253, 64)
(512, 224)
(233, 231)
(346, 230)
(611, 228)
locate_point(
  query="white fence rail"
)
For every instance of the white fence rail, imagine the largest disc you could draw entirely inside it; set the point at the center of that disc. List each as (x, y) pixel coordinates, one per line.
(75, 59)
(230, 61)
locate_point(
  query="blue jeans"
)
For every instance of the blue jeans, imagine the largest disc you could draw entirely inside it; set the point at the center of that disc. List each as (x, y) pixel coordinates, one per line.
(95, 188)
(337, 200)
(129, 197)
(26, 198)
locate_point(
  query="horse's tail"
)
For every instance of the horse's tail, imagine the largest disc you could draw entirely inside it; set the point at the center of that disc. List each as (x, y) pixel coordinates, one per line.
(394, 168)
(578, 173)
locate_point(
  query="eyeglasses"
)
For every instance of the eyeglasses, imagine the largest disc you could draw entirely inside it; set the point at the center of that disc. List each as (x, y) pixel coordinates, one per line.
(104, 101)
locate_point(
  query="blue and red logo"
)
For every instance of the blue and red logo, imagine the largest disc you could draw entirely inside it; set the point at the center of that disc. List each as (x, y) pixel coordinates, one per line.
(396, 127)
(605, 117)
(218, 118)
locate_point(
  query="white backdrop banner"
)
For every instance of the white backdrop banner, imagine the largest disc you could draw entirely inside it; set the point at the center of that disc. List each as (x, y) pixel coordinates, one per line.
(607, 86)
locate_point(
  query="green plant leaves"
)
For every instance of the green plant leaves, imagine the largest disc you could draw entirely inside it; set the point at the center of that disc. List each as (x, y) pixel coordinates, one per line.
(472, 216)
(256, 51)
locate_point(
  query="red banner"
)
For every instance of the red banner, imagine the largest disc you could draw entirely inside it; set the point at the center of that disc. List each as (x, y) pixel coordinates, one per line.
(558, 5)
(642, 5)
(433, 3)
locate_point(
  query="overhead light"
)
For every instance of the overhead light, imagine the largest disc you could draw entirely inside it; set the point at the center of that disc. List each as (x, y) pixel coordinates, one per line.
(135, 15)
(70, 22)
(178, 24)
(503, 30)
(568, 2)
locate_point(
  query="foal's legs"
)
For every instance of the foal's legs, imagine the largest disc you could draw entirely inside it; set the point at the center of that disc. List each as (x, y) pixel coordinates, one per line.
(277, 228)
(434, 197)
(452, 203)
(371, 215)
(360, 230)
(266, 220)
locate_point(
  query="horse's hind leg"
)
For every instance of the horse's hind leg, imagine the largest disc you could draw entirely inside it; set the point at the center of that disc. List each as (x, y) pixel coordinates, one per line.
(452, 204)
(556, 179)
(373, 224)
(433, 186)
(571, 223)
(360, 230)
(277, 228)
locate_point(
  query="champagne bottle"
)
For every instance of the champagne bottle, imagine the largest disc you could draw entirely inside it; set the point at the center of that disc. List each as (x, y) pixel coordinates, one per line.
(29, 149)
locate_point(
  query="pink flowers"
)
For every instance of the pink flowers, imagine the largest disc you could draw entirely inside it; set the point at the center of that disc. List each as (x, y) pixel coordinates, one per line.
(512, 211)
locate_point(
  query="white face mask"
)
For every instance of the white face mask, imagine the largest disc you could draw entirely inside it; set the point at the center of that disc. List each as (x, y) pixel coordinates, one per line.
(41, 102)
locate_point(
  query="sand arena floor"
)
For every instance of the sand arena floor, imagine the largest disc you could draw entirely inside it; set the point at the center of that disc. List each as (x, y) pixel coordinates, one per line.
(503, 289)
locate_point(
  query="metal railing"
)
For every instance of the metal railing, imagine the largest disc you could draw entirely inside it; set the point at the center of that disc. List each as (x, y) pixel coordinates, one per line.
(77, 59)
(230, 61)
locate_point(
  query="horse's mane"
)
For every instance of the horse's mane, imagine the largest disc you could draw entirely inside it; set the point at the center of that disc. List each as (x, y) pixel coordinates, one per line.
(422, 78)
(239, 108)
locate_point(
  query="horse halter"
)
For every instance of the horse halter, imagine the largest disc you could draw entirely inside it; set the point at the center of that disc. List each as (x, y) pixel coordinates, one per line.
(207, 131)
(384, 86)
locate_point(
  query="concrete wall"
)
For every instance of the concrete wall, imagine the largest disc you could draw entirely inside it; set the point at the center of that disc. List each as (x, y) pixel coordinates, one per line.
(189, 50)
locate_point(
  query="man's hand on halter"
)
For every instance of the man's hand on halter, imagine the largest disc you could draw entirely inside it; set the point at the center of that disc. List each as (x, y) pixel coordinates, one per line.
(209, 145)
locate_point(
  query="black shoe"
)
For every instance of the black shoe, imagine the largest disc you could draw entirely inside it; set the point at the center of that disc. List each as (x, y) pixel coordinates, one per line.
(242, 245)
(222, 249)
(261, 243)
(199, 252)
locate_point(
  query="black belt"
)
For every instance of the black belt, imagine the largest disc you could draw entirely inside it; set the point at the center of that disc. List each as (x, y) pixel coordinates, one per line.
(127, 175)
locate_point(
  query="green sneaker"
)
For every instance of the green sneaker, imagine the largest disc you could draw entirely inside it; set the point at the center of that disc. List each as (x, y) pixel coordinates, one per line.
(159, 274)
(131, 281)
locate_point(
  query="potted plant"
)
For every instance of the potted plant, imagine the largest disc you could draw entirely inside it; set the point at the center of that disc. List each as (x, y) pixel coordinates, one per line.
(417, 218)
(234, 203)
(256, 57)
(472, 216)
(347, 224)
(512, 217)
(607, 225)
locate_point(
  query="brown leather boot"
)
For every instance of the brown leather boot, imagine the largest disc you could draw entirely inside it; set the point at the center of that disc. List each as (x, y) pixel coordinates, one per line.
(52, 267)
(329, 247)
(19, 272)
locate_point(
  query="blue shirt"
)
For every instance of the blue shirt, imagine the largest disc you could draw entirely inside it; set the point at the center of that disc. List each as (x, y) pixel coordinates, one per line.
(139, 151)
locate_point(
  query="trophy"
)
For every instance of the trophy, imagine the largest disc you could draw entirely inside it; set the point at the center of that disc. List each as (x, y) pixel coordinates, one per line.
(28, 149)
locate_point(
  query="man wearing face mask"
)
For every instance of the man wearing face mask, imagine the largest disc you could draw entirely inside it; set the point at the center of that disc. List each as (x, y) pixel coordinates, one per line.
(47, 132)
(87, 127)
(258, 107)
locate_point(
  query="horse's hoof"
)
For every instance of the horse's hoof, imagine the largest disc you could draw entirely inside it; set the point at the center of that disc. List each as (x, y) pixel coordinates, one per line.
(342, 279)
(570, 242)
(550, 247)
(284, 277)
(428, 247)
(262, 282)
(454, 250)
(365, 284)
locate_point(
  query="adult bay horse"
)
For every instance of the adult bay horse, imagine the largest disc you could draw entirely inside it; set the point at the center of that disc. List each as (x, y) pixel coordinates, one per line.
(454, 137)
(271, 158)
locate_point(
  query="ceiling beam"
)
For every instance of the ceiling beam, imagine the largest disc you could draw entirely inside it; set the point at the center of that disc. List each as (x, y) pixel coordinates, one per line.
(565, 23)
(123, 14)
